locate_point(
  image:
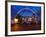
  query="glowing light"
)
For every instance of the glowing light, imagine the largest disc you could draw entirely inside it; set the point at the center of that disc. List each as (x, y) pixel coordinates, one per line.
(16, 20)
(29, 19)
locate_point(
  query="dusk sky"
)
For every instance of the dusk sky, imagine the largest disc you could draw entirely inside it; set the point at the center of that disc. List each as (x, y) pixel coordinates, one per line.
(25, 12)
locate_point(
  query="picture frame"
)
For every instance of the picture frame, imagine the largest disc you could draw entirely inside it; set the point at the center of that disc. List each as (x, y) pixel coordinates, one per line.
(10, 5)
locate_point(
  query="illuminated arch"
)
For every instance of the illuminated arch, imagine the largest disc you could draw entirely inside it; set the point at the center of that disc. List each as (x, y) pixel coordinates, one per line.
(25, 9)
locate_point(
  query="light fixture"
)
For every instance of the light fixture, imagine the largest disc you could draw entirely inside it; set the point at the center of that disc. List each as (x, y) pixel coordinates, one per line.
(16, 20)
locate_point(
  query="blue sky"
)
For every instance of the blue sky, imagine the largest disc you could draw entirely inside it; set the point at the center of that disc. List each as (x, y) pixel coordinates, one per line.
(25, 12)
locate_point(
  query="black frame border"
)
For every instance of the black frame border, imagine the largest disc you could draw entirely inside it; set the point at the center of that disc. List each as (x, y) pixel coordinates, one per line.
(6, 17)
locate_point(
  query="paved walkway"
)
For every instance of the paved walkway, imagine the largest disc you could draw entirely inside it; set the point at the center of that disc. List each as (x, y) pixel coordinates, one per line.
(18, 27)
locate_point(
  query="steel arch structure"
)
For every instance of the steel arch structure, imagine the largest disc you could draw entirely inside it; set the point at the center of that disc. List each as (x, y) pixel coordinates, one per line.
(26, 9)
